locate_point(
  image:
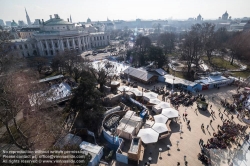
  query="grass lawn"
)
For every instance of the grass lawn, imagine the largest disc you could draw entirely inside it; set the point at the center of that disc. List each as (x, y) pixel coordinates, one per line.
(221, 63)
(177, 74)
(243, 74)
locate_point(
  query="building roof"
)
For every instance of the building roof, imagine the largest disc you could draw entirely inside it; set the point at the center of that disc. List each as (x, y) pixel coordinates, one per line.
(212, 79)
(90, 147)
(161, 72)
(57, 21)
(51, 78)
(169, 79)
(18, 40)
(138, 73)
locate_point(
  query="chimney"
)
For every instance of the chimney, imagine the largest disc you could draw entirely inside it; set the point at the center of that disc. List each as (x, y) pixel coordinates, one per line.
(68, 19)
(50, 16)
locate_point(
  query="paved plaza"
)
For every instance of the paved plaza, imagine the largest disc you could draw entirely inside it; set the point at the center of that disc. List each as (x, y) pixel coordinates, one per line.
(188, 146)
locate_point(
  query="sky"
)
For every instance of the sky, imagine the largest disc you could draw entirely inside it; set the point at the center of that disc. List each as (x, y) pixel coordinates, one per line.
(100, 10)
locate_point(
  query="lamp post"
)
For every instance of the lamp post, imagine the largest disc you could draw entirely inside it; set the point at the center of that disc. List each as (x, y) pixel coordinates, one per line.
(168, 149)
(160, 150)
(177, 143)
(180, 134)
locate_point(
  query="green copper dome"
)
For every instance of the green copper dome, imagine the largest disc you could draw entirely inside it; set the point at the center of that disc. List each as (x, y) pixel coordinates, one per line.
(57, 21)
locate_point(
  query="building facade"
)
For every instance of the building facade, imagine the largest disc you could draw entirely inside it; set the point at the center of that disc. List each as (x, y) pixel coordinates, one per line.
(26, 33)
(1, 22)
(55, 36)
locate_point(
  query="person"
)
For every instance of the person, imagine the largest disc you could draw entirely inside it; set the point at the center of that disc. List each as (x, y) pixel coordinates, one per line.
(202, 126)
(232, 117)
(221, 117)
(188, 122)
(207, 127)
(211, 121)
(238, 115)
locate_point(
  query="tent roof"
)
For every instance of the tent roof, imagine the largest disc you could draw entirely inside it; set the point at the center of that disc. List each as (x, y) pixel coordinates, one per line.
(170, 113)
(138, 73)
(160, 127)
(148, 135)
(160, 118)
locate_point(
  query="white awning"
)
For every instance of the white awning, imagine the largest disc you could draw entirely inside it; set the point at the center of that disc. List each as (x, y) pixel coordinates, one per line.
(160, 118)
(148, 135)
(149, 95)
(136, 91)
(123, 88)
(160, 127)
(170, 112)
(155, 101)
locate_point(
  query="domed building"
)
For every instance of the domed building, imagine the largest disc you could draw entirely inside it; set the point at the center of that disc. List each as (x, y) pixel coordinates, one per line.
(56, 35)
(225, 16)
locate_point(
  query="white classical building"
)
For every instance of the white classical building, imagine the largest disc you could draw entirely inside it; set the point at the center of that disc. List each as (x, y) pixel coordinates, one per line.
(57, 35)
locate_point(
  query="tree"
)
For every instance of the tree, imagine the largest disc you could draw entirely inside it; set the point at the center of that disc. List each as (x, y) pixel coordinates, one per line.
(142, 45)
(15, 91)
(239, 45)
(87, 100)
(156, 54)
(39, 62)
(103, 73)
(166, 41)
(209, 41)
(192, 47)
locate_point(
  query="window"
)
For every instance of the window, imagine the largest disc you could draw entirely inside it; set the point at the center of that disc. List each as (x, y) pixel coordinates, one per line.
(50, 45)
(21, 47)
(26, 46)
(103, 37)
(44, 45)
(15, 47)
(56, 45)
(33, 46)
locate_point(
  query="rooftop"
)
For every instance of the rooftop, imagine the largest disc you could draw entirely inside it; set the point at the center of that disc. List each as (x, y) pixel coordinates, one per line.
(91, 147)
(169, 79)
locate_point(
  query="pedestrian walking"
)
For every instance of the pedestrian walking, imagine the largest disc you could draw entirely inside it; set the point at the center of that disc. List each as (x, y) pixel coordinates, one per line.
(238, 115)
(207, 127)
(219, 114)
(211, 121)
(188, 122)
(221, 117)
(219, 110)
(232, 117)
(218, 126)
(210, 106)
(202, 126)
(225, 110)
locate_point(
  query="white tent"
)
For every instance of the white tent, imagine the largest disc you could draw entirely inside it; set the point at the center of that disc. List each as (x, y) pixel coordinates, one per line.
(149, 95)
(122, 88)
(136, 91)
(157, 108)
(160, 127)
(115, 83)
(155, 101)
(170, 112)
(148, 135)
(160, 118)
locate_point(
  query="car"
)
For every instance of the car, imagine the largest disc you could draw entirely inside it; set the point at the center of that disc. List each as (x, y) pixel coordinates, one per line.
(88, 54)
(94, 54)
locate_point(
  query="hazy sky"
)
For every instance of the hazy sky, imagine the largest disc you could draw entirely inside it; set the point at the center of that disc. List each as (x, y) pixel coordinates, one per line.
(96, 10)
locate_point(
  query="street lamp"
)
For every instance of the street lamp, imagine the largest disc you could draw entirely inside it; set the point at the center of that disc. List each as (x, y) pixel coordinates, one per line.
(168, 149)
(177, 142)
(160, 150)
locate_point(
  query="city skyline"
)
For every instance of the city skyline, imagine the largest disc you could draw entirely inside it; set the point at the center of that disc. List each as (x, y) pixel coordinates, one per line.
(122, 10)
